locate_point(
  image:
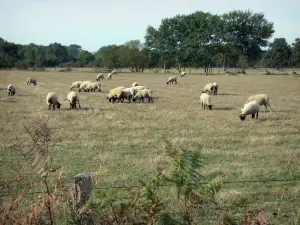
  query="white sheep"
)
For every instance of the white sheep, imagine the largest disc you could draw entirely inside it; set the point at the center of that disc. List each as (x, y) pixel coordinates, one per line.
(93, 87)
(109, 76)
(182, 74)
(114, 72)
(73, 98)
(262, 99)
(135, 84)
(128, 93)
(138, 88)
(250, 108)
(52, 100)
(208, 87)
(83, 85)
(172, 79)
(11, 90)
(115, 94)
(75, 84)
(30, 81)
(145, 93)
(205, 100)
(100, 76)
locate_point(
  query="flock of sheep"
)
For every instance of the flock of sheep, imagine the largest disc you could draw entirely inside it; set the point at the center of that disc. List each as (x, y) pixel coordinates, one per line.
(251, 107)
(137, 92)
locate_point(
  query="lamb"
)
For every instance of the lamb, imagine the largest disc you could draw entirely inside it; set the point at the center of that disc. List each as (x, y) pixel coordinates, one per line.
(262, 99)
(134, 84)
(83, 85)
(145, 93)
(93, 87)
(172, 79)
(100, 76)
(109, 76)
(73, 98)
(11, 90)
(128, 93)
(30, 81)
(115, 94)
(208, 87)
(250, 108)
(138, 88)
(182, 74)
(205, 100)
(51, 100)
(75, 84)
(215, 88)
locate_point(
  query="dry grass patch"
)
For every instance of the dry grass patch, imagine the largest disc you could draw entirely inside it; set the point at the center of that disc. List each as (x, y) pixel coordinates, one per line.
(126, 139)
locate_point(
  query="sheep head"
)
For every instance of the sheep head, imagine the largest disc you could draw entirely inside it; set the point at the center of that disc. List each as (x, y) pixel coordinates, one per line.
(242, 117)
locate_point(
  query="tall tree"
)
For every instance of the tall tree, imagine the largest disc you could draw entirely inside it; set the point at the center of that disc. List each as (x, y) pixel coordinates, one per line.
(295, 57)
(108, 55)
(278, 54)
(248, 32)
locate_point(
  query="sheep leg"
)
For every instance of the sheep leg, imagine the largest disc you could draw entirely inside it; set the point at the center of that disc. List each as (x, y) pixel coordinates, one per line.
(270, 107)
(265, 108)
(49, 106)
(253, 115)
(257, 115)
(71, 106)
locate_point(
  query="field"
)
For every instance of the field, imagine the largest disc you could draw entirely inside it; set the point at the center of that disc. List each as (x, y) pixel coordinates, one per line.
(127, 139)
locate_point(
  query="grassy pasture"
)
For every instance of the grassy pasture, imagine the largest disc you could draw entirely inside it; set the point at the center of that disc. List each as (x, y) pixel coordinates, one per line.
(126, 139)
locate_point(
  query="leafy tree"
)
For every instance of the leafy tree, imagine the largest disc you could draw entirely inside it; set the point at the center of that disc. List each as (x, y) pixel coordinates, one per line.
(73, 51)
(108, 55)
(278, 54)
(295, 57)
(84, 58)
(247, 31)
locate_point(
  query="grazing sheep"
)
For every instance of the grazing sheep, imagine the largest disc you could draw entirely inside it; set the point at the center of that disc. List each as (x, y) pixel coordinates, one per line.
(172, 79)
(208, 87)
(109, 76)
(73, 98)
(182, 74)
(114, 72)
(138, 88)
(262, 99)
(250, 108)
(75, 84)
(30, 81)
(215, 88)
(100, 76)
(205, 100)
(51, 100)
(145, 93)
(93, 87)
(115, 94)
(128, 93)
(134, 84)
(294, 72)
(11, 90)
(83, 85)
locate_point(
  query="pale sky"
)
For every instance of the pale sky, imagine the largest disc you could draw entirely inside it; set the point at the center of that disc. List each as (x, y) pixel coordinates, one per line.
(95, 23)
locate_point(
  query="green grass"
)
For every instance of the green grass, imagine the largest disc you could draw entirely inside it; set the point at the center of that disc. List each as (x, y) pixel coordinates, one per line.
(127, 139)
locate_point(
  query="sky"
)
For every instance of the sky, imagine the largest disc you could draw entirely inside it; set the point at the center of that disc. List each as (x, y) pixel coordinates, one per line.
(96, 23)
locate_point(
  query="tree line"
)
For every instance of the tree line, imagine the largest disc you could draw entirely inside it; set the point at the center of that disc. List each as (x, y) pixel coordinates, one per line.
(201, 39)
